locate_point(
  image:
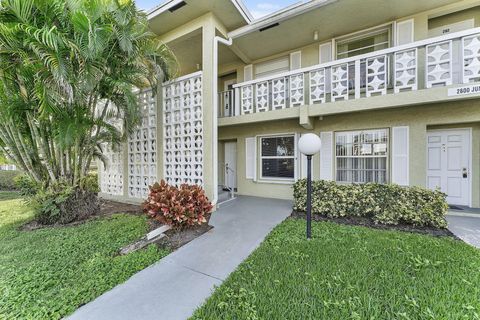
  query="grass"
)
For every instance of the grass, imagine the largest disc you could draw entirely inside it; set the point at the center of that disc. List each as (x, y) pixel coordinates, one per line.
(48, 273)
(348, 272)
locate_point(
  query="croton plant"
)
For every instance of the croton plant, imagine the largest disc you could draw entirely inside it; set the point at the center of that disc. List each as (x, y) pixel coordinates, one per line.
(180, 207)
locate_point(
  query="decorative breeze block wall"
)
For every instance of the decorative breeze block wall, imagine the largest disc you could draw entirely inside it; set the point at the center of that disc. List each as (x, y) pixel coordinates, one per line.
(183, 130)
(142, 148)
(111, 173)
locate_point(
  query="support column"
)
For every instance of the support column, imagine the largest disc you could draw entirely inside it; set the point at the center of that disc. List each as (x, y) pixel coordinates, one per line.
(160, 125)
(208, 35)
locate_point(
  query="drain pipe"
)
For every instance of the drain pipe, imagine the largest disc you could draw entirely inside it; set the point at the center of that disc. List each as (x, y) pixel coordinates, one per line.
(227, 42)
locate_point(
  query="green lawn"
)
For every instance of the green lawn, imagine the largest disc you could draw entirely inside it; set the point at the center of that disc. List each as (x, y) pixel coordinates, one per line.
(348, 272)
(47, 274)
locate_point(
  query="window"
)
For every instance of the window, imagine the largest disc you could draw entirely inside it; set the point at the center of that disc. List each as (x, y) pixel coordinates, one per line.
(278, 157)
(364, 43)
(362, 156)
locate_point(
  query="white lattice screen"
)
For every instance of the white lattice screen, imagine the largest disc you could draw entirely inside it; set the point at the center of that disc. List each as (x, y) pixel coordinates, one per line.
(183, 130)
(142, 148)
(111, 173)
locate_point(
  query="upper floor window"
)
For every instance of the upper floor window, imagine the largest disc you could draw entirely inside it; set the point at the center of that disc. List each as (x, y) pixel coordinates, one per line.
(364, 42)
(362, 156)
(278, 157)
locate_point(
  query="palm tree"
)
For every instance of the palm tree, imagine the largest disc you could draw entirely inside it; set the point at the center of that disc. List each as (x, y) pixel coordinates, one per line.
(68, 74)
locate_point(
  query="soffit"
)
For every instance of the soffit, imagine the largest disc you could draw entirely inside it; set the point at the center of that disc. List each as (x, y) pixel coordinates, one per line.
(330, 20)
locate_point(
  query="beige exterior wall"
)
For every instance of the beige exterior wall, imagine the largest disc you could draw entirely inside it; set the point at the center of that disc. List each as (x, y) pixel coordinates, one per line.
(418, 118)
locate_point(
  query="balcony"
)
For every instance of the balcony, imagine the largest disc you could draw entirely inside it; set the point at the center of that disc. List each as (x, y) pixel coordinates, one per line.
(422, 65)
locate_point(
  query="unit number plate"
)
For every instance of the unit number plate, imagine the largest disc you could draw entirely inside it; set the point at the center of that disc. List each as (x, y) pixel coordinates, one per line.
(466, 90)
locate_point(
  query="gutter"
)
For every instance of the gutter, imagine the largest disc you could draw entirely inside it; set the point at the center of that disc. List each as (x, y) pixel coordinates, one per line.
(227, 42)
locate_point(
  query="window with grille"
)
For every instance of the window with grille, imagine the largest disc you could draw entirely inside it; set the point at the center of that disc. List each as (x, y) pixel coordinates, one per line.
(278, 157)
(362, 156)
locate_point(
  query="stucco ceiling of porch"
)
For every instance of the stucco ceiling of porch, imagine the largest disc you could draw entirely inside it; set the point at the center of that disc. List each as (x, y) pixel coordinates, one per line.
(188, 51)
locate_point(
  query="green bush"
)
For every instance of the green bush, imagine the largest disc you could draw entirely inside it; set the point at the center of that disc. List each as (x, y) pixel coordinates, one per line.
(7, 180)
(26, 185)
(62, 204)
(90, 182)
(384, 203)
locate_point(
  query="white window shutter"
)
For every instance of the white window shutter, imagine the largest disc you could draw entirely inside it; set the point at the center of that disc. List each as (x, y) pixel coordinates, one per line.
(404, 32)
(326, 156)
(296, 60)
(400, 156)
(248, 73)
(326, 52)
(271, 67)
(251, 158)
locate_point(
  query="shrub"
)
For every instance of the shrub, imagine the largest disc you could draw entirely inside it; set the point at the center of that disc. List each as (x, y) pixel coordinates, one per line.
(7, 179)
(62, 204)
(90, 182)
(181, 207)
(26, 185)
(384, 203)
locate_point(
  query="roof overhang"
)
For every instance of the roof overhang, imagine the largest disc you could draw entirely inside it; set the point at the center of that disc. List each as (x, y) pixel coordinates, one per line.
(295, 26)
(175, 13)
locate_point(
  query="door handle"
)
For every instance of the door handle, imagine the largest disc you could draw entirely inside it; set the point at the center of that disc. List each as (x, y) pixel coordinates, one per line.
(464, 173)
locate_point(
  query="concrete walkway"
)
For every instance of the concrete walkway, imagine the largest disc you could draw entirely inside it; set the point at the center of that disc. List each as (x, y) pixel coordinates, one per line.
(466, 226)
(175, 286)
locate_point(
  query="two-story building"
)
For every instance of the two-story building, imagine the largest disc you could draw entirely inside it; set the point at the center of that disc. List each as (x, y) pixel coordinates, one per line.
(391, 87)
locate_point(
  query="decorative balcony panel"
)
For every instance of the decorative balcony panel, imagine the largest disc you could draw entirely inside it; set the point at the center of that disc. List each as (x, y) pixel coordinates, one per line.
(439, 64)
(142, 146)
(340, 82)
(471, 58)
(111, 172)
(183, 135)
(261, 96)
(405, 73)
(246, 99)
(376, 75)
(297, 86)
(317, 86)
(279, 94)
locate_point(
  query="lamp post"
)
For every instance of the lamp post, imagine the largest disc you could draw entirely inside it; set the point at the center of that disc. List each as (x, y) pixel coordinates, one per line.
(309, 144)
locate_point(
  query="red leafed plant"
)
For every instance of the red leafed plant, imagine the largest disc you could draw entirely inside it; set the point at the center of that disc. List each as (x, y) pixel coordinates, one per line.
(181, 207)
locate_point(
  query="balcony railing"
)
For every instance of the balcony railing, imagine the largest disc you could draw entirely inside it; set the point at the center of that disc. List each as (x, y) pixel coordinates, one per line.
(440, 61)
(226, 104)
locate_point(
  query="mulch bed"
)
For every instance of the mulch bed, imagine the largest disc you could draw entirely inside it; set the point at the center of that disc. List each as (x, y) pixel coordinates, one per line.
(175, 239)
(368, 222)
(107, 208)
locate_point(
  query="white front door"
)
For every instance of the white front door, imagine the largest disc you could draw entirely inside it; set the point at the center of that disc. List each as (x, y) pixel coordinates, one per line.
(231, 165)
(448, 164)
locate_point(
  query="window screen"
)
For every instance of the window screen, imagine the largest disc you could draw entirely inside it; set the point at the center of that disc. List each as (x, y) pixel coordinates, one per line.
(278, 157)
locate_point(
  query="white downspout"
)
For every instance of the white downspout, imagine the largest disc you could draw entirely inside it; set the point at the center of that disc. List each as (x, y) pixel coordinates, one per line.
(227, 42)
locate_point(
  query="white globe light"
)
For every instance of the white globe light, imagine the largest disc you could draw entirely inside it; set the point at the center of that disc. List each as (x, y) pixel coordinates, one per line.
(309, 144)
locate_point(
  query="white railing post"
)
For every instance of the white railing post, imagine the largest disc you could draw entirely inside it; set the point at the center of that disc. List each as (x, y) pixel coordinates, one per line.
(358, 81)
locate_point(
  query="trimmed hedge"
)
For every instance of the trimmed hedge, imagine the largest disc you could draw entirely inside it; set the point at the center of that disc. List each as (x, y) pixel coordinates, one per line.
(7, 179)
(384, 203)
